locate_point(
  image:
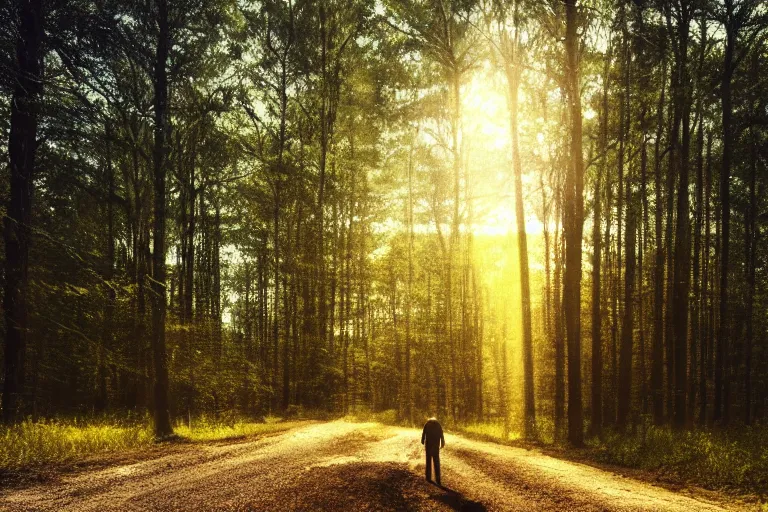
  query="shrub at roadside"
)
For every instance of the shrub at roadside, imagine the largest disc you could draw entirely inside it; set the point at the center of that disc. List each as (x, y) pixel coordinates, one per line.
(731, 459)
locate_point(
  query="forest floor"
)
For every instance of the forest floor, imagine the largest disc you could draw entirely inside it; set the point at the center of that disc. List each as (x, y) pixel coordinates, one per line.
(343, 466)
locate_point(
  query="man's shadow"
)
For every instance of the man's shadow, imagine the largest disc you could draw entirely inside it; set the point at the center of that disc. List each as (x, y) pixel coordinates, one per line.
(457, 501)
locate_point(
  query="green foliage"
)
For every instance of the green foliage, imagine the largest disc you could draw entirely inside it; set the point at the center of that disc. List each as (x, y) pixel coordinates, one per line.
(494, 432)
(57, 441)
(209, 429)
(295, 412)
(363, 414)
(734, 459)
(545, 429)
(40, 443)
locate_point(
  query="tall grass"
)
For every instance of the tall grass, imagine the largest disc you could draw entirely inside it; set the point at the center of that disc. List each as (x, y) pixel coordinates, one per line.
(495, 432)
(365, 415)
(33, 444)
(37, 443)
(209, 429)
(734, 459)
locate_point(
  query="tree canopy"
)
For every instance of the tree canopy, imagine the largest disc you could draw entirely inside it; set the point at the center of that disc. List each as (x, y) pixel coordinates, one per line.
(543, 214)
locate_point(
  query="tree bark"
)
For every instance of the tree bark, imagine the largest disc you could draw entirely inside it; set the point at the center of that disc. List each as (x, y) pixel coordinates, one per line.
(22, 145)
(706, 352)
(721, 412)
(512, 69)
(574, 225)
(559, 328)
(109, 265)
(162, 419)
(409, 291)
(682, 275)
(597, 322)
(751, 239)
(627, 327)
(696, 306)
(657, 349)
(630, 235)
(644, 84)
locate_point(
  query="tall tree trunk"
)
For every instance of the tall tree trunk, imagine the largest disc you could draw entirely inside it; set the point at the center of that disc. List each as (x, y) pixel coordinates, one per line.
(162, 419)
(109, 265)
(287, 313)
(545, 219)
(721, 412)
(574, 225)
(682, 275)
(187, 277)
(512, 68)
(706, 352)
(546, 216)
(751, 239)
(623, 128)
(559, 328)
(189, 268)
(673, 142)
(630, 234)
(627, 327)
(454, 239)
(22, 145)
(216, 289)
(409, 291)
(657, 349)
(597, 322)
(348, 295)
(611, 293)
(696, 306)
(276, 297)
(322, 307)
(644, 84)
(714, 314)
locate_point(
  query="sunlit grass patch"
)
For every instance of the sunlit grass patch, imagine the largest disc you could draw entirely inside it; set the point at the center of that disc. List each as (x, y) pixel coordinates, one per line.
(206, 429)
(37, 443)
(494, 431)
(31, 444)
(365, 415)
(489, 431)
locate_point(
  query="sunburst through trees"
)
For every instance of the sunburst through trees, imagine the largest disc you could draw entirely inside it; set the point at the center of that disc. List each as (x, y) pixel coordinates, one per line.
(544, 215)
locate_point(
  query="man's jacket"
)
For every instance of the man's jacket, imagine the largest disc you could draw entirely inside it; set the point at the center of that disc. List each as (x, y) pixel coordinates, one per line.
(432, 436)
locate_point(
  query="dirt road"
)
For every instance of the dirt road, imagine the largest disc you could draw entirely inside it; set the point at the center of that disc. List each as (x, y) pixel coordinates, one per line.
(345, 467)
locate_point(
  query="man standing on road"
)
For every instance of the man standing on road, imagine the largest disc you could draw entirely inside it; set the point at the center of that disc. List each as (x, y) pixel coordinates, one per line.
(433, 440)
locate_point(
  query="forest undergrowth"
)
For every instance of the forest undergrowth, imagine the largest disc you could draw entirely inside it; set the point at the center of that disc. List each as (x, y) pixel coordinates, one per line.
(732, 459)
(56, 441)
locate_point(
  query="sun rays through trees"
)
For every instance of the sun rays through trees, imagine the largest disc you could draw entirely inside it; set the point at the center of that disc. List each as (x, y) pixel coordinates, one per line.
(546, 216)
